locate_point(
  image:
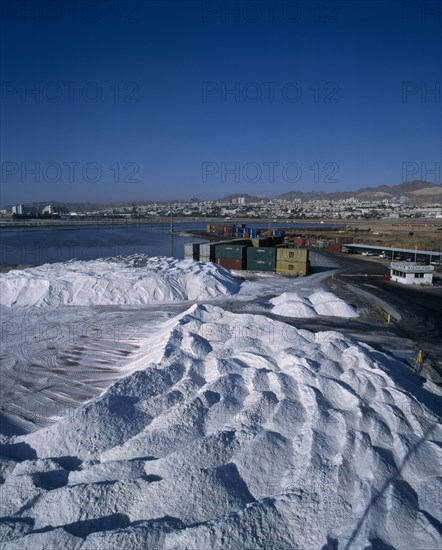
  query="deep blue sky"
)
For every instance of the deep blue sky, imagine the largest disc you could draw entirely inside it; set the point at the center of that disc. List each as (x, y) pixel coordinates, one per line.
(351, 106)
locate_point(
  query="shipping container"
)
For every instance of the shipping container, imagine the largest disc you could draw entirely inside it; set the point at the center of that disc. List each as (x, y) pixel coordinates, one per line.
(261, 241)
(231, 263)
(261, 265)
(300, 241)
(192, 251)
(222, 229)
(299, 269)
(291, 255)
(277, 240)
(344, 240)
(267, 252)
(215, 228)
(334, 248)
(234, 251)
(207, 252)
(246, 242)
(292, 261)
(261, 259)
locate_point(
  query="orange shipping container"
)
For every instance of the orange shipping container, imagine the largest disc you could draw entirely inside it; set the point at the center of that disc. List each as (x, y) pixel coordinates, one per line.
(334, 248)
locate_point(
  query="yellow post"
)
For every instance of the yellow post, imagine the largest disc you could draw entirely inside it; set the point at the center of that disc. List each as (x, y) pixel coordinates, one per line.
(388, 318)
(418, 362)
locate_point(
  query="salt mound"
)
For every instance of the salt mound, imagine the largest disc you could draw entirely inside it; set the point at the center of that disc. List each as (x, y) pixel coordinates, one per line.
(291, 304)
(240, 433)
(130, 280)
(327, 303)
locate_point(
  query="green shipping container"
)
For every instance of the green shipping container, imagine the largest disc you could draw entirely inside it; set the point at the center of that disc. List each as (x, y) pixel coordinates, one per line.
(231, 251)
(261, 259)
(262, 252)
(260, 265)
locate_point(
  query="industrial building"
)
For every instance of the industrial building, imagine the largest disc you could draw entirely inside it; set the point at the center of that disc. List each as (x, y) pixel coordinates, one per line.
(393, 253)
(21, 210)
(52, 210)
(411, 274)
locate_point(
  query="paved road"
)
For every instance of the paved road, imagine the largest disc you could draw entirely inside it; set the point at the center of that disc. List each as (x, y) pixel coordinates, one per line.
(420, 308)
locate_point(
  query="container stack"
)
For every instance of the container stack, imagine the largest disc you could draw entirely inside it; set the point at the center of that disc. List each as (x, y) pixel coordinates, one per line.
(255, 254)
(261, 258)
(262, 241)
(192, 251)
(207, 252)
(229, 230)
(232, 256)
(292, 261)
(277, 240)
(213, 228)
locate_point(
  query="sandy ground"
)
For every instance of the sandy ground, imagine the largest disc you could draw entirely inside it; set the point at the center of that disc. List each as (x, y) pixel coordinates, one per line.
(423, 234)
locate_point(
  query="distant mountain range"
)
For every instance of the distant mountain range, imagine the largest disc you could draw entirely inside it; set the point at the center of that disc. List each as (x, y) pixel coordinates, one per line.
(416, 192)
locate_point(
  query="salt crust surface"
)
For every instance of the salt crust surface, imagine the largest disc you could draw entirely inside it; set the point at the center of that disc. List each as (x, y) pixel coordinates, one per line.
(244, 433)
(228, 430)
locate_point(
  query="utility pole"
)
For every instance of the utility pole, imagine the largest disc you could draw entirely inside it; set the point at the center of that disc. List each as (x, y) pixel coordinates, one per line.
(171, 233)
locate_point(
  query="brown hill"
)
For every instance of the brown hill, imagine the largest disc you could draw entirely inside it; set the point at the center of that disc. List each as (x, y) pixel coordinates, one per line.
(417, 192)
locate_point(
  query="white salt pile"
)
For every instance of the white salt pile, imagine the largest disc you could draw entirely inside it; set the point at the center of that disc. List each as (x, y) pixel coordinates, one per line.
(240, 432)
(320, 302)
(130, 280)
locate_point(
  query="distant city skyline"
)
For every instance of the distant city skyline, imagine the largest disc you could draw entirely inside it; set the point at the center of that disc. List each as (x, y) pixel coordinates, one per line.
(141, 101)
(426, 192)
